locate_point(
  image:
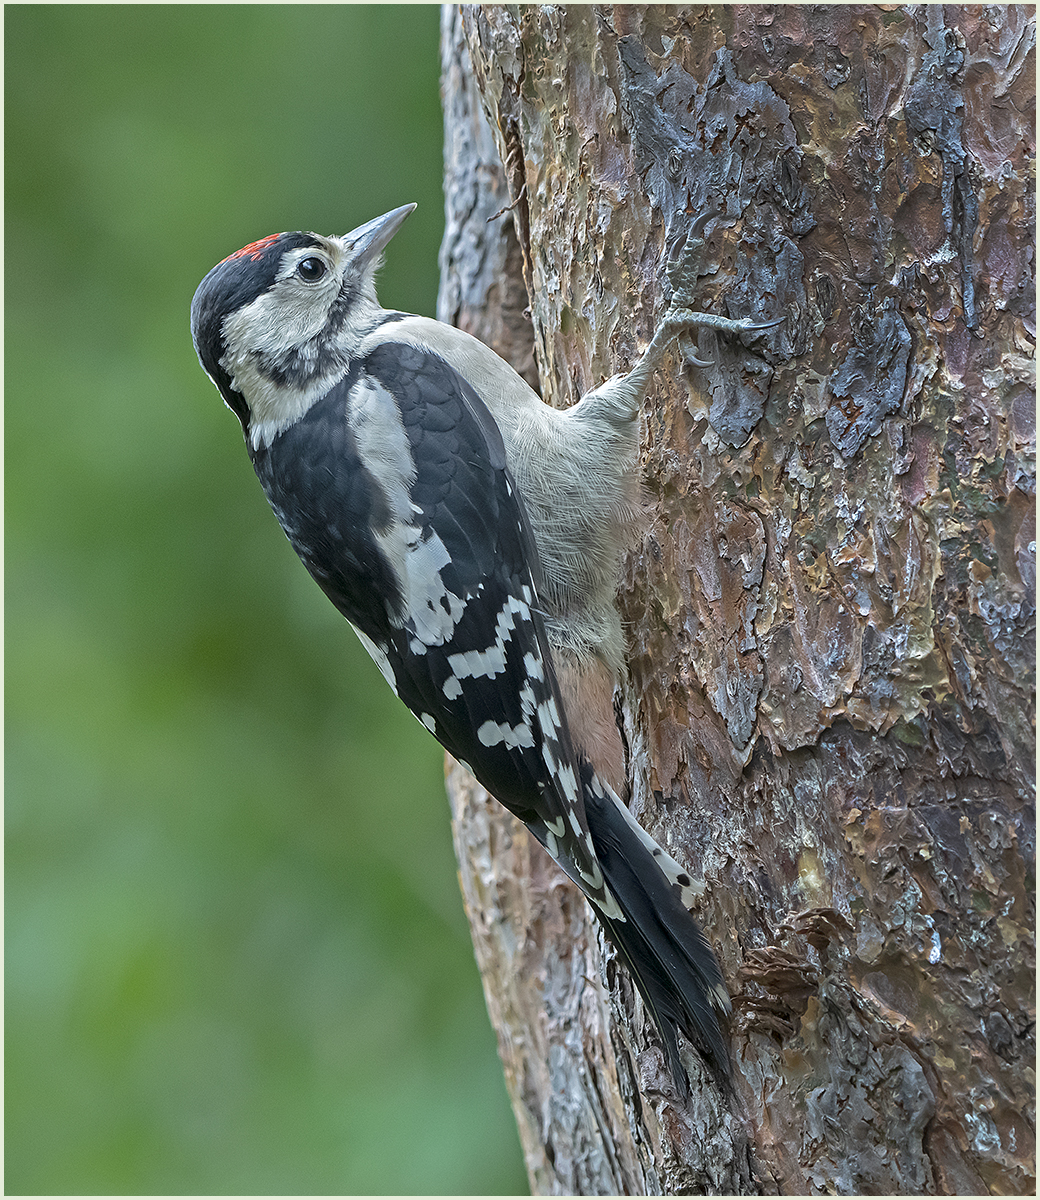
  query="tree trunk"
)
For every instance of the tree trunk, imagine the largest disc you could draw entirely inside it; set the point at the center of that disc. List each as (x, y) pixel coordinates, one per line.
(830, 610)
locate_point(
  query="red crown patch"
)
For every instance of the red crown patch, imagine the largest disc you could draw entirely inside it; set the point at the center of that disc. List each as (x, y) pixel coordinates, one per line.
(255, 250)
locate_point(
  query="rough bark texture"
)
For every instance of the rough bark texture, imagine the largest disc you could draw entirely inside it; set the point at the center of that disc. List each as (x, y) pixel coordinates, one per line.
(830, 700)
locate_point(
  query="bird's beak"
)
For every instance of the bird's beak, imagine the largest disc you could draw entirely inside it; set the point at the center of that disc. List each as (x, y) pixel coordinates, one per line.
(364, 244)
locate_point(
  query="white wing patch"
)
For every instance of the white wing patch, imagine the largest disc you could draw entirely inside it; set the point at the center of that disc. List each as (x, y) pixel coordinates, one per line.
(473, 664)
(493, 733)
(533, 667)
(432, 611)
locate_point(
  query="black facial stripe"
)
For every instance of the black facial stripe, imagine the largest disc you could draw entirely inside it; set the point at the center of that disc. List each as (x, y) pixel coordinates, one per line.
(294, 368)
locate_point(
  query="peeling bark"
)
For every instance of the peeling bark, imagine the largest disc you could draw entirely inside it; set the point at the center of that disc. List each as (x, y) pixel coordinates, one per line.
(831, 609)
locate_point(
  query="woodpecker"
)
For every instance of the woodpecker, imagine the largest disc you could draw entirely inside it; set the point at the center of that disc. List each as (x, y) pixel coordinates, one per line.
(472, 535)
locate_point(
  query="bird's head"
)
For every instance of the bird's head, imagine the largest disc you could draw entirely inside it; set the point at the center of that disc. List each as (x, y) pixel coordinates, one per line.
(275, 324)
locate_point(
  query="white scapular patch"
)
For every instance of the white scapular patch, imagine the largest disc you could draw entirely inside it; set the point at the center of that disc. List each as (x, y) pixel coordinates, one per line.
(494, 733)
(431, 610)
(378, 655)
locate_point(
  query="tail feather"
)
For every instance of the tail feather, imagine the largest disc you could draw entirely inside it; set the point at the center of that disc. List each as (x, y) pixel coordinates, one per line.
(670, 960)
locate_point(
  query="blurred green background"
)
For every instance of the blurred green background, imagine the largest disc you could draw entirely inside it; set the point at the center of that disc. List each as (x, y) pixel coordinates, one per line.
(236, 954)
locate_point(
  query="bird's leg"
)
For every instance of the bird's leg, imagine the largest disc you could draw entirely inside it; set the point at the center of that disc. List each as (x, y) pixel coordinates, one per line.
(618, 399)
(677, 322)
(681, 317)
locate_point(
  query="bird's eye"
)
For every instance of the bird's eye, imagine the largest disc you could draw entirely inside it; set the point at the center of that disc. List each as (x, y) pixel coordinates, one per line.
(310, 270)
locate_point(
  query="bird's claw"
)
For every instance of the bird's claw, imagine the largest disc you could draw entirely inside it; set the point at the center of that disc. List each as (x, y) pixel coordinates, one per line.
(688, 350)
(681, 321)
(678, 319)
(681, 318)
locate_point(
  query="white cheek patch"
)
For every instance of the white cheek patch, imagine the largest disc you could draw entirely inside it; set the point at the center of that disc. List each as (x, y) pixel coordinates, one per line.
(273, 408)
(430, 610)
(286, 317)
(279, 319)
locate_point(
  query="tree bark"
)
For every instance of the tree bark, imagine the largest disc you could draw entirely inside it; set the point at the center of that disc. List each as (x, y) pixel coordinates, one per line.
(831, 608)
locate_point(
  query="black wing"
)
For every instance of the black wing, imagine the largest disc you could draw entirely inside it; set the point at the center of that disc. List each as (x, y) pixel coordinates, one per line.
(447, 592)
